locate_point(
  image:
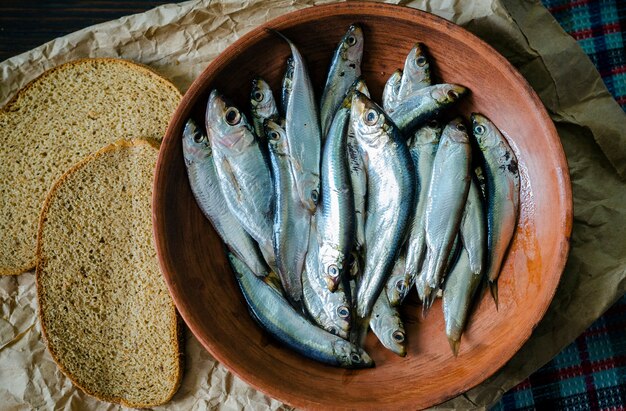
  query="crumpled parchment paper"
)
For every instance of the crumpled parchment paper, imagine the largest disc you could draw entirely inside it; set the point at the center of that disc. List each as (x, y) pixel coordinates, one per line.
(179, 41)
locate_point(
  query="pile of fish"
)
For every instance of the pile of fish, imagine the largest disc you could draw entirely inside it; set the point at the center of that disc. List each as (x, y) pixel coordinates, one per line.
(331, 217)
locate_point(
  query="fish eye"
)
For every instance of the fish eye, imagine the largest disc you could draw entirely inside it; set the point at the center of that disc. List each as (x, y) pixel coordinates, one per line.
(370, 117)
(232, 116)
(355, 357)
(460, 127)
(198, 137)
(332, 330)
(398, 336)
(343, 312)
(314, 196)
(421, 61)
(479, 129)
(400, 286)
(351, 41)
(332, 270)
(273, 135)
(453, 94)
(258, 96)
(433, 123)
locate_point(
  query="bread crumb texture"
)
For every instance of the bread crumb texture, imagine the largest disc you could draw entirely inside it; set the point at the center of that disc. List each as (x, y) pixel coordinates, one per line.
(58, 119)
(106, 314)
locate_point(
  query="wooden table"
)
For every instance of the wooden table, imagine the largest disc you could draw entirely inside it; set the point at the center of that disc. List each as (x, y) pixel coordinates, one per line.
(26, 24)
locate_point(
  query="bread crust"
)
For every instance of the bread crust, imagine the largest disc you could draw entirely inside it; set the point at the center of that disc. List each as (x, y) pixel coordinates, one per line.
(10, 106)
(176, 324)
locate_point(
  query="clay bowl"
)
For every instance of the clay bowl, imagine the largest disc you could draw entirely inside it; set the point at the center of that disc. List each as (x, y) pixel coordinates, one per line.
(202, 285)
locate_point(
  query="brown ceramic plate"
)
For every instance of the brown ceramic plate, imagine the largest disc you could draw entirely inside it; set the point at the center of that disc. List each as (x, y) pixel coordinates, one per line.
(206, 293)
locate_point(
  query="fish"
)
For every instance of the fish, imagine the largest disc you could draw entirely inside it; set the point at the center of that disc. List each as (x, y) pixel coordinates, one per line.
(464, 279)
(502, 185)
(390, 197)
(243, 171)
(262, 106)
(330, 310)
(447, 194)
(398, 285)
(391, 91)
(345, 68)
(206, 189)
(274, 314)
(292, 221)
(423, 147)
(420, 106)
(387, 325)
(303, 131)
(287, 85)
(335, 211)
(416, 73)
(358, 177)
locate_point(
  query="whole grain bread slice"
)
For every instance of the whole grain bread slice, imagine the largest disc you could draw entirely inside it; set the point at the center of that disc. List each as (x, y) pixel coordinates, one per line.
(56, 120)
(104, 307)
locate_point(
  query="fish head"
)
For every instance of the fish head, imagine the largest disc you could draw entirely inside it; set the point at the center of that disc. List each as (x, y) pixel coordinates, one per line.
(399, 288)
(428, 134)
(226, 125)
(196, 144)
(372, 128)
(446, 94)
(276, 135)
(391, 333)
(308, 190)
(333, 264)
(351, 356)
(456, 131)
(351, 48)
(338, 311)
(261, 98)
(484, 131)
(418, 63)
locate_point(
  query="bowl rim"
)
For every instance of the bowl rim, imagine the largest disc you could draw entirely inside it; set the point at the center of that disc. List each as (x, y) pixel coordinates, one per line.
(371, 9)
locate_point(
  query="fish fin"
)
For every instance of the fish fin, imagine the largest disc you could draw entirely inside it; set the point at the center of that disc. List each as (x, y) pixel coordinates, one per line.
(429, 298)
(493, 287)
(454, 345)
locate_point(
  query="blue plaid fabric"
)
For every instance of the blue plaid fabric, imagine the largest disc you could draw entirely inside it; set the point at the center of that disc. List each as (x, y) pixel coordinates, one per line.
(589, 374)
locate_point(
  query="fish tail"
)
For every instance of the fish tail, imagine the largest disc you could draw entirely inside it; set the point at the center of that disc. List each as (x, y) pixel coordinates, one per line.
(430, 295)
(493, 287)
(454, 345)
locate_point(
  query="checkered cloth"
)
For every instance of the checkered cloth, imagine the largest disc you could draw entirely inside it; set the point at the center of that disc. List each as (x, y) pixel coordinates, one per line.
(590, 374)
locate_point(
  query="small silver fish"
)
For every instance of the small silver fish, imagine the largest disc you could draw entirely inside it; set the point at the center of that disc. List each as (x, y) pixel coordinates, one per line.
(390, 197)
(387, 325)
(463, 280)
(292, 222)
(278, 318)
(358, 176)
(303, 132)
(416, 73)
(243, 171)
(330, 310)
(446, 200)
(502, 183)
(262, 106)
(391, 91)
(335, 212)
(345, 67)
(206, 189)
(420, 106)
(423, 147)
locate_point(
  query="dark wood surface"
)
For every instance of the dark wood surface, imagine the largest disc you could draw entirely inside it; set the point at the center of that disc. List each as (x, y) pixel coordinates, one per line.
(25, 24)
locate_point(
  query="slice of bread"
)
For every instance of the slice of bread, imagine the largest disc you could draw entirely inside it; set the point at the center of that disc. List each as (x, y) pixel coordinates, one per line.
(56, 120)
(104, 307)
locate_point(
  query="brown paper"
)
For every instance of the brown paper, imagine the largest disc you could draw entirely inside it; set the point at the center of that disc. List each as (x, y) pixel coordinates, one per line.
(180, 40)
